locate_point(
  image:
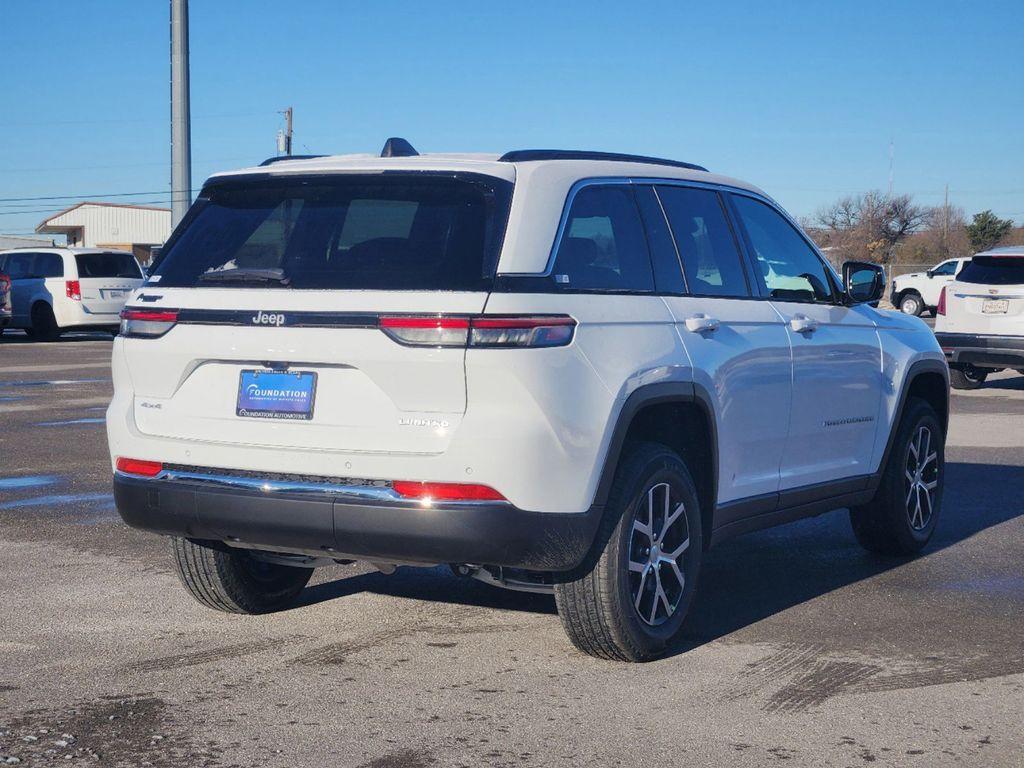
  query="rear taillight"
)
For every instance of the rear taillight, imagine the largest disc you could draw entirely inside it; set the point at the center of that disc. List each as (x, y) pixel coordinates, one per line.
(429, 492)
(147, 323)
(941, 309)
(74, 289)
(480, 331)
(426, 330)
(139, 467)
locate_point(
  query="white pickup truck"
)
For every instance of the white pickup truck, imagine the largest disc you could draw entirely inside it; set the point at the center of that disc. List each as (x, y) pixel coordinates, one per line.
(919, 291)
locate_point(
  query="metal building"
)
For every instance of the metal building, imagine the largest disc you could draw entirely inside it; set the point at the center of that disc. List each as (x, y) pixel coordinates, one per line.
(135, 228)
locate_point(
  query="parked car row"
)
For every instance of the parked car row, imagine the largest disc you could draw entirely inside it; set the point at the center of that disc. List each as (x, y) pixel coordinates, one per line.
(52, 290)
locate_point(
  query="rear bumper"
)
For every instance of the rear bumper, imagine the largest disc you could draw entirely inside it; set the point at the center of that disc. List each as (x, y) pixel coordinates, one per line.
(331, 525)
(983, 351)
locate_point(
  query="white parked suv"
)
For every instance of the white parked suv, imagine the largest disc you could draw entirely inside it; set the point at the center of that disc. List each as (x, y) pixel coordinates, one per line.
(60, 289)
(566, 372)
(980, 321)
(919, 292)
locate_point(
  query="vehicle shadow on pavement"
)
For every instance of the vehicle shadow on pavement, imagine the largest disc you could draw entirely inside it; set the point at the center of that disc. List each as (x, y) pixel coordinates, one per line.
(749, 578)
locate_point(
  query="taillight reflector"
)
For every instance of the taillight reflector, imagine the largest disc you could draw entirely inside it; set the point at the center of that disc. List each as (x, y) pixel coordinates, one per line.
(147, 323)
(941, 309)
(445, 491)
(74, 289)
(426, 330)
(139, 467)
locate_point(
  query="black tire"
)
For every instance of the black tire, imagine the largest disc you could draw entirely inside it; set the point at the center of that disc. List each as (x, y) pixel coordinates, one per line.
(44, 324)
(911, 303)
(596, 603)
(900, 519)
(966, 377)
(233, 581)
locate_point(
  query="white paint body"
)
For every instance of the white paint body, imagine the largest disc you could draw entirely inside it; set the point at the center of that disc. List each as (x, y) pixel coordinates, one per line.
(101, 301)
(535, 424)
(928, 284)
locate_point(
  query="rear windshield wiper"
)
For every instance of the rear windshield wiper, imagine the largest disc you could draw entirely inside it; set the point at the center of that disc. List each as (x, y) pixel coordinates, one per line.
(246, 276)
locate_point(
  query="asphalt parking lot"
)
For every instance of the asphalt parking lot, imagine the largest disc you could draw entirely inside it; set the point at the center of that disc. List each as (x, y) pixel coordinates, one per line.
(801, 647)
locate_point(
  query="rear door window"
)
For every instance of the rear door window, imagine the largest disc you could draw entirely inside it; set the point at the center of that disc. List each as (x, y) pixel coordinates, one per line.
(107, 265)
(994, 270)
(707, 246)
(380, 232)
(19, 265)
(603, 246)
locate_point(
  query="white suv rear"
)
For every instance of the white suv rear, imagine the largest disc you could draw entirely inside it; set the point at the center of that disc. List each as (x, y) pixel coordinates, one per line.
(60, 289)
(980, 321)
(568, 372)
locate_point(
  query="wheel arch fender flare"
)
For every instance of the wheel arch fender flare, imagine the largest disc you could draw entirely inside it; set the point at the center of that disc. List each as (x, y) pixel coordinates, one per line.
(684, 393)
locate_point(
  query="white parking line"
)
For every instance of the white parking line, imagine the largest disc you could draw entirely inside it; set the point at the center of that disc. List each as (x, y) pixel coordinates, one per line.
(45, 406)
(997, 430)
(55, 367)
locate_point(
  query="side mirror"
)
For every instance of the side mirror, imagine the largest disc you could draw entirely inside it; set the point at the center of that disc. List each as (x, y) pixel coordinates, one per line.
(930, 274)
(864, 283)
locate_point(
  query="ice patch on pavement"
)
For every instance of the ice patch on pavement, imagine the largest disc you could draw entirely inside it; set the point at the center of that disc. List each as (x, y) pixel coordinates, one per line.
(57, 498)
(29, 481)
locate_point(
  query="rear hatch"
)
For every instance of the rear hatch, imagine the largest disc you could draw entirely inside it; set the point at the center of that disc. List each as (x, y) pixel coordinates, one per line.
(303, 312)
(988, 297)
(106, 280)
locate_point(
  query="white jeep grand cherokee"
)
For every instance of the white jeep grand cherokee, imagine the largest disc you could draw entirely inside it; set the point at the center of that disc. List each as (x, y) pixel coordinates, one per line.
(568, 372)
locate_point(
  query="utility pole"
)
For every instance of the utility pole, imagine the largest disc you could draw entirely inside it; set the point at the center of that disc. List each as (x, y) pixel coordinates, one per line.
(945, 223)
(181, 120)
(892, 164)
(284, 138)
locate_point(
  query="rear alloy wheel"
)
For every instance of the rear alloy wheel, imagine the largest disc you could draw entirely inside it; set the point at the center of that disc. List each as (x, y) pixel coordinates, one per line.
(233, 581)
(966, 376)
(911, 304)
(44, 324)
(629, 600)
(901, 518)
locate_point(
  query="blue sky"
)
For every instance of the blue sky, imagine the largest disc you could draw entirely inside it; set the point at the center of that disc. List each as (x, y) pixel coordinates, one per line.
(799, 98)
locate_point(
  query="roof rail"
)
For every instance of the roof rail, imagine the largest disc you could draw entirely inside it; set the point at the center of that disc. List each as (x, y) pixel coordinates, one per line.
(285, 158)
(398, 147)
(526, 155)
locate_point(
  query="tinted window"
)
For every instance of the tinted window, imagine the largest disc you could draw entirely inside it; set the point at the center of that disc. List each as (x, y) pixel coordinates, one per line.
(48, 265)
(603, 247)
(789, 267)
(20, 265)
(386, 232)
(107, 265)
(706, 244)
(994, 270)
(668, 274)
(948, 268)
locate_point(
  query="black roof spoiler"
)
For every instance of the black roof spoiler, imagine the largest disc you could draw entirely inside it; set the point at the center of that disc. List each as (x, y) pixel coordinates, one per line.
(526, 155)
(285, 158)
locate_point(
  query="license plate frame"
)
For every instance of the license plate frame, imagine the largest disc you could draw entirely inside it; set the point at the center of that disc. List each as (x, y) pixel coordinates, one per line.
(995, 306)
(280, 395)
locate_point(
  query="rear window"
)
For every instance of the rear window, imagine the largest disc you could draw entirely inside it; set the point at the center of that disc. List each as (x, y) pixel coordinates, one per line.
(107, 265)
(994, 270)
(381, 232)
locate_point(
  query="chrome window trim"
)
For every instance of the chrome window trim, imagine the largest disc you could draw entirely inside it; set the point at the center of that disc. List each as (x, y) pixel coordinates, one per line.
(339, 491)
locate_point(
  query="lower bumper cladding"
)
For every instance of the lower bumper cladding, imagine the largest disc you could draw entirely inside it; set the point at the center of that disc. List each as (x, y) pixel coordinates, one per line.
(983, 351)
(364, 521)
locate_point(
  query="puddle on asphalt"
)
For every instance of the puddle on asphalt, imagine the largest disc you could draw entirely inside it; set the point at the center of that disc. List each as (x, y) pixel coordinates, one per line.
(57, 498)
(99, 420)
(54, 383)
(29, 481)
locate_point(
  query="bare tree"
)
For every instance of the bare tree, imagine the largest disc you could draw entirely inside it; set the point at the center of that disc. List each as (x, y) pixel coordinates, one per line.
(870, 226)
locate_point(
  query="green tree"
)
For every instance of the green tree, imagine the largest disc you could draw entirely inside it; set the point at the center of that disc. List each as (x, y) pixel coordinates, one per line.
(987, 229)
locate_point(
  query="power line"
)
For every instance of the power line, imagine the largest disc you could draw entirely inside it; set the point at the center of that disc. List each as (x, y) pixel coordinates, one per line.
(82, 197)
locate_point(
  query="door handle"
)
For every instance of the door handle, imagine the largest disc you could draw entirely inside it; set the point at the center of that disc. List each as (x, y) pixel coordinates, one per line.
(803, 324)
(700, 323)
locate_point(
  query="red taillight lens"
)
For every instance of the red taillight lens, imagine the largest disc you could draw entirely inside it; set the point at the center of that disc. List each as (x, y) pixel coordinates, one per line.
(139, 467)
(941, 309)
(480, 331)
(533, 331)
(74, 289)
(427, 330)
(147, 323)
(445, 491)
